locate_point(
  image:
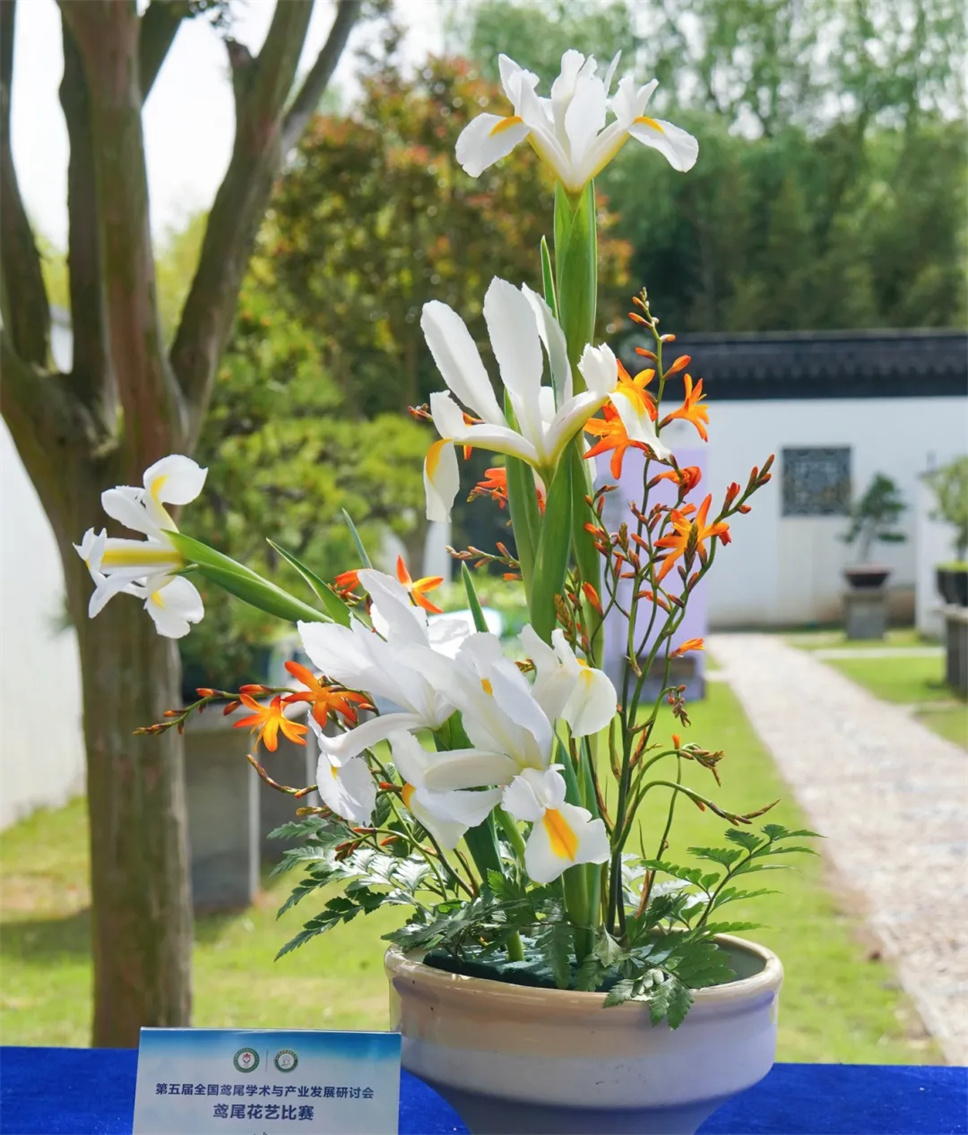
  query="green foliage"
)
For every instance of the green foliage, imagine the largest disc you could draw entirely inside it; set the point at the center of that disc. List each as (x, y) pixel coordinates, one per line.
(800, 231)
(666, 949)
(950, 487)
(874, 515)
(537, 35)
(809, 207)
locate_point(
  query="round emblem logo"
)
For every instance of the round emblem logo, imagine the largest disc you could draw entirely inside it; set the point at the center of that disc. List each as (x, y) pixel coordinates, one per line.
(285, 1060)
(246, 1060)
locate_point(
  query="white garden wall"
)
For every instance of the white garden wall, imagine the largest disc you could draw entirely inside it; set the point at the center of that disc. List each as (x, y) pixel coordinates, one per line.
(787, 570)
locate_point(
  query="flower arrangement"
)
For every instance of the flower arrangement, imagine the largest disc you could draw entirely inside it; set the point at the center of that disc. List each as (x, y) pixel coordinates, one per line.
(494, 789)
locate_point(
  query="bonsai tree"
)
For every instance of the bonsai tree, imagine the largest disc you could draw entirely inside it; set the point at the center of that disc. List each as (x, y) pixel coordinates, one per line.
(873, 517)
(950, 485)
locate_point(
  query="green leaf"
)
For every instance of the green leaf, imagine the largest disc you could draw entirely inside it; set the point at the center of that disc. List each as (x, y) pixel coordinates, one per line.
(576, 264)
(244, 583)
(671, 1000)
(263, 596)
(556, 950)
(727, 856)
(356, 540)
(750, 840)
(548, 278)
(551, 561)
(335, 607)
(480, 623)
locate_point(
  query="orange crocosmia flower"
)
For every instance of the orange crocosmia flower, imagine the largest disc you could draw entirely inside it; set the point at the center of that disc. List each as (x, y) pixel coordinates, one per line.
(417, 587)
(688, 476)
(469, 420)
(325, 699)
(691, 410)
(634, 389)
(495, 486)
(269, 721)
(689, 534)
(689, 644)
(347, 581)
(613, 436)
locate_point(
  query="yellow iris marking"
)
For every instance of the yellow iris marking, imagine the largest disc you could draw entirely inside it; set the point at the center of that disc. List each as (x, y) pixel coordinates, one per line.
(563, 840)
(407, 794)
(650, 122)
(134, 557)
(157, 485)
(333, 769)
(505, 124)
(433, 456)
(157, 599)
(487, 687)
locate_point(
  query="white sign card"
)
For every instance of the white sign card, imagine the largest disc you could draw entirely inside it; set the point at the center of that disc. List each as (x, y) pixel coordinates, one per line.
(267, 1082)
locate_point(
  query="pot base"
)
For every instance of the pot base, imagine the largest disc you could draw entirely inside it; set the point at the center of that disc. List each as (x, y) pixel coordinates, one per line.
(493, 1115)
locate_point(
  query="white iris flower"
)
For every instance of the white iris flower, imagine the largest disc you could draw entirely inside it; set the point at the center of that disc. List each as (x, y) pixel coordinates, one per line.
(147, 568)
(561, 834)
(569, 130)
(519, 324)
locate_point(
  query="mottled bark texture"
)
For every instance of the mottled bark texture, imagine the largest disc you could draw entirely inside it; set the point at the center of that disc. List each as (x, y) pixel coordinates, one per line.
(128, 401)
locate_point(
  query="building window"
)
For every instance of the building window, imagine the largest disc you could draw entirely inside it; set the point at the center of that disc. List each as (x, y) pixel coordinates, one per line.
(816, 482)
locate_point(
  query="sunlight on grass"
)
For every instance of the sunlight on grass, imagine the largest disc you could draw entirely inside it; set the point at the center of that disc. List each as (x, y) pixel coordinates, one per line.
(839, 1003)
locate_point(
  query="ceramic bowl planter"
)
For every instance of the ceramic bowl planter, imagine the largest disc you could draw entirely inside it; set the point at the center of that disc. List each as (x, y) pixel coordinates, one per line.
(515, 1059)
(952, 584)
(866, 576)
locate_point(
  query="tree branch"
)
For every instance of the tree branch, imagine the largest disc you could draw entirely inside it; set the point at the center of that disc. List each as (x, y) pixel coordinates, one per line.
(107, 34)
(24, 295)
(92, 372)
(159, 26)
(261, 88)
(306, 102)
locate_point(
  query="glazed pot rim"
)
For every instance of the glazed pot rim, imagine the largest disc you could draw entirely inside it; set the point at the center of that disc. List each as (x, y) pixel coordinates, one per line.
(713, 998)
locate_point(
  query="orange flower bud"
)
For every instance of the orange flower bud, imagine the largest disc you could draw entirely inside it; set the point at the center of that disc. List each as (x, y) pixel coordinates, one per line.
(205, 692)
(731, 494)
(646, 353)
(592, 596)
(253, 688)
(677, 740)
(680, 364)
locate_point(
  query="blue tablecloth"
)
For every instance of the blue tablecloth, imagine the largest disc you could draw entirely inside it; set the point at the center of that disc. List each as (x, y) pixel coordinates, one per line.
(90, 1091)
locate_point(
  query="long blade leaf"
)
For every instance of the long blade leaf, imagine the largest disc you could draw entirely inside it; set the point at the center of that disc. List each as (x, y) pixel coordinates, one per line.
(335, 607)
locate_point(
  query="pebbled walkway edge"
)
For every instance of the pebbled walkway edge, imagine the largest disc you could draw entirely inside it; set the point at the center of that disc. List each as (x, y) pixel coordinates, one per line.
(890, 797)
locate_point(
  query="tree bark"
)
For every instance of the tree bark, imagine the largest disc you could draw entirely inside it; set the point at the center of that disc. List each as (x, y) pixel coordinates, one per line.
(74, 443)
(141, 907)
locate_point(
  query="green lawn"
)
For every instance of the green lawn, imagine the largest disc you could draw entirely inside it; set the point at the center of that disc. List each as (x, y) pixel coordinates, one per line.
(835, 638)
(840, 1002)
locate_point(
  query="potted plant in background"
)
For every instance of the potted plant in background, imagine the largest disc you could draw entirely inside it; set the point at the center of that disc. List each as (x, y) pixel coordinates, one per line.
(950, 486)
(565, 966)
(873, 519)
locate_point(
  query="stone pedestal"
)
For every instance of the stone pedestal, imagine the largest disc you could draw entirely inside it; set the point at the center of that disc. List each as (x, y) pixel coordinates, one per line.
(865, 612)
(290, 764)
(956, 648)
(223, 813)
(231, 812)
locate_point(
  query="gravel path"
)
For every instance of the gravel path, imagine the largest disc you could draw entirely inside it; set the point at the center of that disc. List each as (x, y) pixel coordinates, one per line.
(892, 799)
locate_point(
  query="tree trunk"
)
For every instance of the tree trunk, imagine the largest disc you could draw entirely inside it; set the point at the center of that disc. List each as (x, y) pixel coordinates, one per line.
(140, 888)
(141, 908)
(74, 443)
